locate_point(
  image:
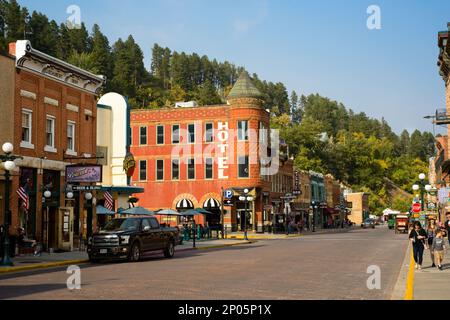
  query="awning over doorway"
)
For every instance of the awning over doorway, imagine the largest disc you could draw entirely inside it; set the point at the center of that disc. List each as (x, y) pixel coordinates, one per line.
(211, 203)
(185, 204)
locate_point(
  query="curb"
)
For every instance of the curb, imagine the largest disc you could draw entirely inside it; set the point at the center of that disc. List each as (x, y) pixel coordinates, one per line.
(216, 246)
(42, 266)
(264, 237)
(400, 287)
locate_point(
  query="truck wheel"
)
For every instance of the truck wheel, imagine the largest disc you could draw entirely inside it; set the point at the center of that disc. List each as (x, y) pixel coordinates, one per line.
(93, 260)
(135, 253)
(170, 250)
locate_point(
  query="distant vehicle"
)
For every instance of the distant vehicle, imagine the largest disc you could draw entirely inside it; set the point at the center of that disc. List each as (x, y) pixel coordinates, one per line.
(129, 238)
(368, 223)
(391, 221)
(401, 223)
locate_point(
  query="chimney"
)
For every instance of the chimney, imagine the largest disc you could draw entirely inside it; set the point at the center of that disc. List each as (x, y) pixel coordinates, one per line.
(12, 49)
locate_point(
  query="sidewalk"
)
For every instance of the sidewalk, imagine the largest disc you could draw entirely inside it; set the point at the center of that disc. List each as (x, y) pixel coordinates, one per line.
(46, 260)
(430, 283)
(426, 284)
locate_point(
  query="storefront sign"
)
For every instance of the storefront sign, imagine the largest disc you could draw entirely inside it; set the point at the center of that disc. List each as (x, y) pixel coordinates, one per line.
(129, 164)
(84, 174)
(223, 136)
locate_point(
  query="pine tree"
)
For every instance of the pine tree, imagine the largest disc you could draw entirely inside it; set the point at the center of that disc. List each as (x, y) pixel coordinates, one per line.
(101, 53)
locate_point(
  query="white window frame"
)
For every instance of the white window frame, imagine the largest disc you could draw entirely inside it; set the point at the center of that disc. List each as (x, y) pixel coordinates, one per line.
(245, 132)
(28, 144)
(47, 147)
(140, 135)
(156, 170)
(238, 164)
(163, 134)
(179, 169)
(71, 152)
(212, 167)
(187, 165)
(172, 134)
(146, 170)
(189, 133)
(212, 132)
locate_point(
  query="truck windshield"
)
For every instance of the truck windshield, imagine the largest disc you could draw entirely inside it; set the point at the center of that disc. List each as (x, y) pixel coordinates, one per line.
(122, 225)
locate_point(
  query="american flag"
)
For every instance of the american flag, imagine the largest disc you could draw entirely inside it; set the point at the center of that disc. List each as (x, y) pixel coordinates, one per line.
(23, 195)
(109, 201)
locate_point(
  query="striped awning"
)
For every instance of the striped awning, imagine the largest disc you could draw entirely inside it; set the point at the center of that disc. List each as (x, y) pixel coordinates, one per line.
(211, 203)
(185, 204)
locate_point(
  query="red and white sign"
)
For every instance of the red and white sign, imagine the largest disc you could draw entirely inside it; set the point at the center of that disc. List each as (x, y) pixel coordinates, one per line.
(417, 207)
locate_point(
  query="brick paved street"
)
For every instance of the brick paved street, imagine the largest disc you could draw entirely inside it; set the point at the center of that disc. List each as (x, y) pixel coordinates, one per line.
(324, 266)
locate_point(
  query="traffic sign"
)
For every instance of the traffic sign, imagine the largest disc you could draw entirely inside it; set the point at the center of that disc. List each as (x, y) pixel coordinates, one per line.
(228, 203)
(417, 207)
(228, 194)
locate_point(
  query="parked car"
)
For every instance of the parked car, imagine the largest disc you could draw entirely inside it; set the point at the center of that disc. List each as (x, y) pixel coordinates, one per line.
(368, 223)
(129, 238)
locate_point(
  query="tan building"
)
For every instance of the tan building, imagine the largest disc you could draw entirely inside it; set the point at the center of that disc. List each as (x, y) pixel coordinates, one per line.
(360, 207)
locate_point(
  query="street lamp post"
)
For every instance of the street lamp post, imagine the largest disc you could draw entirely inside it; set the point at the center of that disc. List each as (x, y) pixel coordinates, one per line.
(246, 199)
(9, 165)
(423, 187)
(89, 197)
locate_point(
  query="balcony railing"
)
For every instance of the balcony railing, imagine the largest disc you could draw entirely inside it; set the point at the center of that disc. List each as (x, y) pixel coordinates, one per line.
(442, 117)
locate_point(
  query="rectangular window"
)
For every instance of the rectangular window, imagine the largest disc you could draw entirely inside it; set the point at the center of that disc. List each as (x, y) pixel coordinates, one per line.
(208, 168)
(175, 169)
(71, 136)
(209, 132)
(175, 134)
(50, 132)
(262, 133)
(143, 170)
(160, 134)
(26, 126)
(191, 169)
(143, 136)
(243, 130)
(159, 170)
(243, 167)
(191, 132)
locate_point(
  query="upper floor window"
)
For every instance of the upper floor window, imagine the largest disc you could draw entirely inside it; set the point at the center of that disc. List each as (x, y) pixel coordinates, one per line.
(243, 130)
(26, 126)
(191, 133)
(243, 167)
(175, 134)
(143, 136)
(143, 170)
(208, 168)
(175, 169)
(209, 132)
(191, 169)
(160, 134)
(50, 132)
(71, 136)
(159, 170)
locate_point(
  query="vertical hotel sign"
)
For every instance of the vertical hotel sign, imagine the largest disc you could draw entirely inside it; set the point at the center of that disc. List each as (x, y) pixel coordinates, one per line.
(223, 136)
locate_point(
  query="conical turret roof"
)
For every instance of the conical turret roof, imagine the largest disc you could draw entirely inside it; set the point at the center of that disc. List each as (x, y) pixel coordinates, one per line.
(244, 88)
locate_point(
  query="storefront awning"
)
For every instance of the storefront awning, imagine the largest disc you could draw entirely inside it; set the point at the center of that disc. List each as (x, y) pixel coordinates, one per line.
(185, 204)
(211, 203)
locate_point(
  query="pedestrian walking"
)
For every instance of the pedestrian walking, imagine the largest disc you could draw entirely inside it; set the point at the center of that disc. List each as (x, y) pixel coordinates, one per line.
(438, 247)
(431, 233)
(447, 226)
(418, 237)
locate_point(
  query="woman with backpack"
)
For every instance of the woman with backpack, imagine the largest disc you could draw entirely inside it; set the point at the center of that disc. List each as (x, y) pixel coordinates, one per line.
(418, 236)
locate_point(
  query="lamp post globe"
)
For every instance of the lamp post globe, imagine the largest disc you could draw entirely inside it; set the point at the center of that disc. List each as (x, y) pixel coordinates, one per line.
(246, 191)
(9, 165)
(7, 147)
(47, 194)
(88, 196)
(428, 188)
(69, 195)
(422, 176)
(416, 187)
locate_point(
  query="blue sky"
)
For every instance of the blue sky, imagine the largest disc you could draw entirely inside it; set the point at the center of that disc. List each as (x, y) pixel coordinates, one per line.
(321, 46)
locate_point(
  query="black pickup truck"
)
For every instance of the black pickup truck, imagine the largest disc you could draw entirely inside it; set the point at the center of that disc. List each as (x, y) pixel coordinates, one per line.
(129, 238)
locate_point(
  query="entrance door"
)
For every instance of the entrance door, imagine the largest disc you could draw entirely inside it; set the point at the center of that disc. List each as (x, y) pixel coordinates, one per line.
(65, 229)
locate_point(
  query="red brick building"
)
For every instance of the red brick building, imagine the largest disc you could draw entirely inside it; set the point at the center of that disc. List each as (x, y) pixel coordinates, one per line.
(53, 120)
(187, 156)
